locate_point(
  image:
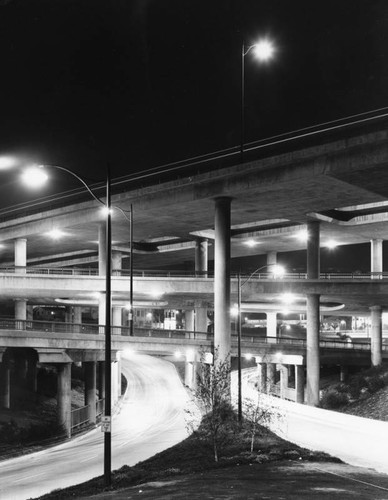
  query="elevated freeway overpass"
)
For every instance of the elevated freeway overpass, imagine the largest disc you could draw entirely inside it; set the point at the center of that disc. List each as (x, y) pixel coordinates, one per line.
(332, 191)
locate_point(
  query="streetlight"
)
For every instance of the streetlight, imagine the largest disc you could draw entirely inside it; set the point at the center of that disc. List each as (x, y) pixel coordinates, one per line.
(277, 271)
(263, 51)
(36, 176)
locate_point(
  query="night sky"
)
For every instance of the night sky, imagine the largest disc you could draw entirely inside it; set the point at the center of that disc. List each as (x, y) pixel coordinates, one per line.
(140, 83)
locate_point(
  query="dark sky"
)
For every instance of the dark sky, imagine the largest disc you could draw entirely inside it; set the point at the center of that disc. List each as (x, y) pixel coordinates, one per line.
(139, 83)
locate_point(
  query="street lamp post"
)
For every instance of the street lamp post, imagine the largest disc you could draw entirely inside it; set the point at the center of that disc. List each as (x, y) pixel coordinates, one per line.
(277, 271)
(35, 176)
(263, 51)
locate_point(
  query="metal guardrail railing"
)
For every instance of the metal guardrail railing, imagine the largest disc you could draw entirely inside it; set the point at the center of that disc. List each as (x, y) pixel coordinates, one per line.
(47, 327)
(79, 271)
(79, 416)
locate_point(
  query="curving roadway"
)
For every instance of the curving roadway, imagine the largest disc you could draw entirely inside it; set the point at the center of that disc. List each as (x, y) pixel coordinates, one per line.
(150, 419)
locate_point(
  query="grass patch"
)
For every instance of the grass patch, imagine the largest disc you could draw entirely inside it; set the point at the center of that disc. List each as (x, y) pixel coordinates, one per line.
(194, 455)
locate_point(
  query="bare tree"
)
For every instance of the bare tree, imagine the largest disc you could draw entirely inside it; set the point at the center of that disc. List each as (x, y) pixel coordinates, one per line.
(213, 397)
(256, 416)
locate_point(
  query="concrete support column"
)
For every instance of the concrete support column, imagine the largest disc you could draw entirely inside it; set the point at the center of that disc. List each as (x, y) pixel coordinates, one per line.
(64, 396)
(20, 313)
(299, 383)
(262, 376)
(5, 387)
(20, 247)
(201, 259)
(271, 260)
(102, 249)
(271, 377)
(101, 312)
(201, 263)
(313, 359)
(283, 381)
(376, 336)
(313, 257)
(114, 382)
(376, 257)
(272, 324)
(189, 374)
(190, 322)
(117, 260)
(90, 389)
(117, 317)
(222, 333)
(101, 379)
(77, 318)
(118, 357)
(69, 314)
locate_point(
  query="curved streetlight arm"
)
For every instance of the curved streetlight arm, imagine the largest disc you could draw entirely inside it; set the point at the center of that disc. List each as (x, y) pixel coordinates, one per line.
(252, 274)
(71, 172)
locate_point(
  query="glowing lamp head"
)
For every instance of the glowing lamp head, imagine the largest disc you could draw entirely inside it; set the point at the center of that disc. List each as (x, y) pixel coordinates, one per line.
(35, 176)
(263, 50)
(278, 271)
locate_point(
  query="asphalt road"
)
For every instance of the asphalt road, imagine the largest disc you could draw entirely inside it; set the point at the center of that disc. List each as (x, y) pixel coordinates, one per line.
(151, 419)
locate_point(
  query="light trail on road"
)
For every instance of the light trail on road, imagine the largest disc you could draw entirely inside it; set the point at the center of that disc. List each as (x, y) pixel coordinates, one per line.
(150, 419)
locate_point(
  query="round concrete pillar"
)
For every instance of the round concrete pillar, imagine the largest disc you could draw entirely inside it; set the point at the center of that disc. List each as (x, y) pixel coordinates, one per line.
(271, 377)
(117, 260)
(20, 247)
(283, 381)
(376, 258)
(64, 397)
(20, 313)
(262, 376)
(5, 388)
(272, 324)
(102, 249)
(313, 256)
(312, 357)
(101, 312)
(376, 336)
(201, 260)
(222, 333)
(299, 383)
(101, 379)
(90, 389)
(117, 318)
(190, 321)
(271, 260)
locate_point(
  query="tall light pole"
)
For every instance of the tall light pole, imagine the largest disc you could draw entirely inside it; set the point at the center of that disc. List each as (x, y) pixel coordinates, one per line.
(277, 271)
(263, 50)
(36, 176)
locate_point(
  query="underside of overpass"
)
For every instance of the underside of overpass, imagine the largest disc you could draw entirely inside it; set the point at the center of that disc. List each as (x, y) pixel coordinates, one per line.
(339, 185)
